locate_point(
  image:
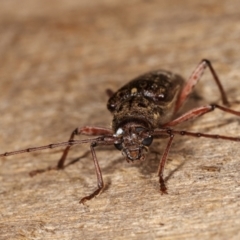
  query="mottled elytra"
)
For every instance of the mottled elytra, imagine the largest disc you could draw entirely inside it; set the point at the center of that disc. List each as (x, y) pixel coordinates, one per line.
(143, 110)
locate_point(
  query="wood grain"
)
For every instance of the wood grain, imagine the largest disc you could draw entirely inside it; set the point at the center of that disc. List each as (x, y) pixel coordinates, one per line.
(57, 60)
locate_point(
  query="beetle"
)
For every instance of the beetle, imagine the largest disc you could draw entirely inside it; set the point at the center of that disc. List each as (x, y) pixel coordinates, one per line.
(143, 110)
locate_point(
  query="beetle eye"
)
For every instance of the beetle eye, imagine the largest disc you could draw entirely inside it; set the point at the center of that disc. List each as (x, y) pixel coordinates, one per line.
(118, 146)
(147, 141)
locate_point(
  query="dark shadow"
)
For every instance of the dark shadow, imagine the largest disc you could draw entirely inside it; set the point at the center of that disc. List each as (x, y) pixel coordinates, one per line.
(50, 168)
(226, 122)
(77, 159)
(150, 166)
(173, 171)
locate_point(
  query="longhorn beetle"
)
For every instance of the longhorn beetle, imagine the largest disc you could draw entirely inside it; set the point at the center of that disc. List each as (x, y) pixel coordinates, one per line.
(143, 109)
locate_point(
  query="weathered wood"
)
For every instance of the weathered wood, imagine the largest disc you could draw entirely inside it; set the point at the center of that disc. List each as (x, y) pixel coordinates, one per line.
(57, 59)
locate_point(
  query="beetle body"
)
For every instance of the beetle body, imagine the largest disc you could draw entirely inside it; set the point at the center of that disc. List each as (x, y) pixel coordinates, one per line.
(139, 107)
(143, 109)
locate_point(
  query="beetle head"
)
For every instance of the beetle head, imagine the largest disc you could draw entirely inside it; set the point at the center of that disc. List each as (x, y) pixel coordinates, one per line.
(133, 140)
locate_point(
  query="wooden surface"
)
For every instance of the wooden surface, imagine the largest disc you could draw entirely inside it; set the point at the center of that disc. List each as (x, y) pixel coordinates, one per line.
(57, 59)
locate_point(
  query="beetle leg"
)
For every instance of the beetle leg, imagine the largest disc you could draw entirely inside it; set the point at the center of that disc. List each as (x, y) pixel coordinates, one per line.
(87, 130)
(100, 183)
(193, 80)
(162, 162)
(197, 112)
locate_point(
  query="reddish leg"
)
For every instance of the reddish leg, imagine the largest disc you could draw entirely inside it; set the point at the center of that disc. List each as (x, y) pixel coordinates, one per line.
(162, 162)
(108, 139)
(171, 133)
(87, 130)
(100, 183)
(197, 112)
(193, 80)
